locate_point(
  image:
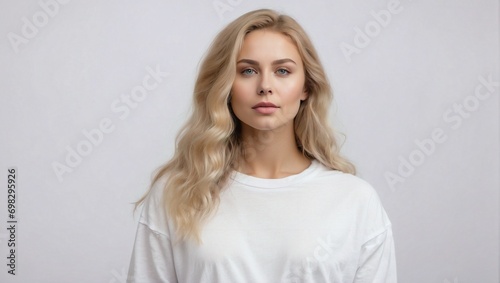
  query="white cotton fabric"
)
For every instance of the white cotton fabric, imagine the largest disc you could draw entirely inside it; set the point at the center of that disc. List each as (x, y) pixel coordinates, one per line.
(320, 225)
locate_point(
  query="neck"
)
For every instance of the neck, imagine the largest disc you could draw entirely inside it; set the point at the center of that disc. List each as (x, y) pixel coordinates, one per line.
(271, 154)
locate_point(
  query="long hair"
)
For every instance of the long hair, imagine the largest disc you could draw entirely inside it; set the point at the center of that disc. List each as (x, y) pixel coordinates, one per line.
(209, 144)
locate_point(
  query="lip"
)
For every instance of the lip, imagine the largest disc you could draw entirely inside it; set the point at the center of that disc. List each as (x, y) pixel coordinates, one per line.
(265, 108)
(264, 104)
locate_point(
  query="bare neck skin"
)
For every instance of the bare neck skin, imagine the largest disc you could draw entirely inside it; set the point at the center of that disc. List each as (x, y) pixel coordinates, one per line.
(271, 154)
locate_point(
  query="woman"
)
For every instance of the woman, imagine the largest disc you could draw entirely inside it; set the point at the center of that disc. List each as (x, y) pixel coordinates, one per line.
(256, 190)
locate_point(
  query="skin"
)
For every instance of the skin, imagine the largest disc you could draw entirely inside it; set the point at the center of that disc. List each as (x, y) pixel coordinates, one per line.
(269, 69)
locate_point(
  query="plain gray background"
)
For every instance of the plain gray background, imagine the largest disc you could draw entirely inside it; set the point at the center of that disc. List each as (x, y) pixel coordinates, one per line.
(419, 122)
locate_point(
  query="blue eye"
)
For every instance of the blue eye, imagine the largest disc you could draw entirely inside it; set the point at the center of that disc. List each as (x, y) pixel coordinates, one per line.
(248, 72)
(283, 72)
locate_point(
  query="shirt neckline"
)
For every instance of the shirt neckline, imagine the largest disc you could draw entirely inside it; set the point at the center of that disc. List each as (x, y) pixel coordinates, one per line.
(274, 183)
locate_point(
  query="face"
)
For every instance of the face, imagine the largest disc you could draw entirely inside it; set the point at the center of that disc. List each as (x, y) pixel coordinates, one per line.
(269, 82)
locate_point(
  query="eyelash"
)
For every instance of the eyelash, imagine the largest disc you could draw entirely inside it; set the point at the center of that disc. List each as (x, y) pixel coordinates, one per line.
(244, 71)
(283, 69)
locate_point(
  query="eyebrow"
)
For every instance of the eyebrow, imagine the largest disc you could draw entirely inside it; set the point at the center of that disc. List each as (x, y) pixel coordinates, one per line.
(276, 62)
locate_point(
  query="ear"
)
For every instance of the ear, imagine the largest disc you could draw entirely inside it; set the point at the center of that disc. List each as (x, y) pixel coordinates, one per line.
(304, 95)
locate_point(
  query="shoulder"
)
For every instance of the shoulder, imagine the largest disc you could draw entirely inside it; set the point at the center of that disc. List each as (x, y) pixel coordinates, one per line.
(344, 182)
(361, 198)
(350, 188)
(153, 212)
(352, 196)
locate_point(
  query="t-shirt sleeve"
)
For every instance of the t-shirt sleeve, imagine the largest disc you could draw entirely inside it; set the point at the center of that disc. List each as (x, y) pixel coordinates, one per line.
(377, 262)
(152, 259)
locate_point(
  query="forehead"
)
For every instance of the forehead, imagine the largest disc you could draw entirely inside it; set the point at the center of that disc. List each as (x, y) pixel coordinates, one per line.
(267, 44)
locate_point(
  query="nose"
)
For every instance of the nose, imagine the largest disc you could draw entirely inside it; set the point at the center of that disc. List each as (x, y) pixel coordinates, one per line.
(263, 91)
(265, 85)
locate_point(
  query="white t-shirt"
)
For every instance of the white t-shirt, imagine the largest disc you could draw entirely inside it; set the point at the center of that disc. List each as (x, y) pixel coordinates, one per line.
(319, 225)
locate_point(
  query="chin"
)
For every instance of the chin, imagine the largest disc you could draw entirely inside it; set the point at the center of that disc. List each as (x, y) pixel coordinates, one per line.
(265, 127)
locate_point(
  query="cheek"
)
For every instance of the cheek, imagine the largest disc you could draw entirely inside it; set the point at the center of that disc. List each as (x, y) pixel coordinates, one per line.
(242, 94)
(293, 99)
(239, 91)
(292, 94)
(292, 109)
(238, 102)
(293, 87)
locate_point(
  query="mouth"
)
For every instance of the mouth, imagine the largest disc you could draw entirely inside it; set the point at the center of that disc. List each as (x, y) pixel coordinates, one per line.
(264, 105)
(265, 108)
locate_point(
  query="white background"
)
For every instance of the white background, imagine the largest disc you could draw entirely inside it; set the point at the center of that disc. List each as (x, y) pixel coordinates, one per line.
(65, 78)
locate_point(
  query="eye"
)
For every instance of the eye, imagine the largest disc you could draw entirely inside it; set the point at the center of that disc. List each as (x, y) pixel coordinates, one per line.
(282, 72)
(248, 72)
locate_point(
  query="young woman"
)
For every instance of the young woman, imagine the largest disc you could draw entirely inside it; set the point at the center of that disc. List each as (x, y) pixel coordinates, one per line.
(257, 190)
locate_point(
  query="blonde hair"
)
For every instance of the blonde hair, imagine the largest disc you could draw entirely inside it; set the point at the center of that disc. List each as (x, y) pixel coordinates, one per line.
(209, 145)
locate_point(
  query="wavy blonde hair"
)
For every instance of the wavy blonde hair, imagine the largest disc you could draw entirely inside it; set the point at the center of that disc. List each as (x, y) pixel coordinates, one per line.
(209, 144)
